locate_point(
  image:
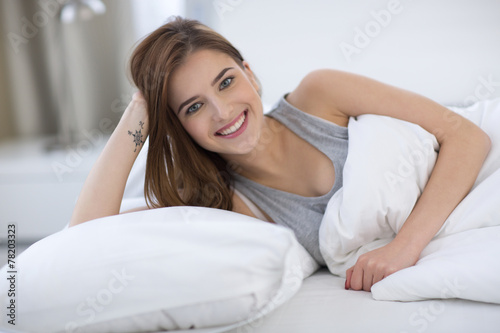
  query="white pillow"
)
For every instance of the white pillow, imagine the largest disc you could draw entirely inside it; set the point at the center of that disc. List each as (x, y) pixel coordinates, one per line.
(462, 265)
(164, 269)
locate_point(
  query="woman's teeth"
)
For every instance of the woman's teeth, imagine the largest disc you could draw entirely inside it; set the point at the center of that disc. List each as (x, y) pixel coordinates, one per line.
(235, 127)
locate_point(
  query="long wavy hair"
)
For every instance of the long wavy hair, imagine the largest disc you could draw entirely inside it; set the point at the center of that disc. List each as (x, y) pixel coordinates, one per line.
(178, 171)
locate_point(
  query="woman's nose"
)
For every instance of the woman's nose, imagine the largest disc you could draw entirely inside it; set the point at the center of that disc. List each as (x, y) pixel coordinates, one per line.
(222, 110)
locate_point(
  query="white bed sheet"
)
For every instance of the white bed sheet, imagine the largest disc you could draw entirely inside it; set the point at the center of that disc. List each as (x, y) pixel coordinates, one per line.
(323, 305)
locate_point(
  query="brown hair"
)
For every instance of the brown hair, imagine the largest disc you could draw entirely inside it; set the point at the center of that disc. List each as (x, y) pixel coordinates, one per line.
(178, 171)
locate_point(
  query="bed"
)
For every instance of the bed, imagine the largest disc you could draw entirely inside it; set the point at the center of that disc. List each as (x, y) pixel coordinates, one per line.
(212, 271)
(323, 305)
(194, 269)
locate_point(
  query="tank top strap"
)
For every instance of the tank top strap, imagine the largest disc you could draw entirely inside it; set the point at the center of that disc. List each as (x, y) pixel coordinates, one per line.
(320, 133)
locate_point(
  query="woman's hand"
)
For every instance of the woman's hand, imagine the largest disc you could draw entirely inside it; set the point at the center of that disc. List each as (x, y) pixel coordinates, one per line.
(137, 104)
(375, 265)
(137, 96)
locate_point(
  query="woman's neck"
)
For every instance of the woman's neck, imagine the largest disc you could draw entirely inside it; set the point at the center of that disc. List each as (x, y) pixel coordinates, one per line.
(267, 158)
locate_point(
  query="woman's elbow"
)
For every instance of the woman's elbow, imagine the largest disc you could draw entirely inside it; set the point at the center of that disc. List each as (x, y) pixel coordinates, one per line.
(474, 135)
(488, 141)
(481, 142)
(484, 140)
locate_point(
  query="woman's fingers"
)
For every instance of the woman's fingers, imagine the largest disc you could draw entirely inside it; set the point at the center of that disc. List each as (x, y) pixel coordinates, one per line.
(357, 277)
(138, 107)
(367, 281)
(138, 96)
(365, 273)
(377, 277)
(377, 264)
(348, 275)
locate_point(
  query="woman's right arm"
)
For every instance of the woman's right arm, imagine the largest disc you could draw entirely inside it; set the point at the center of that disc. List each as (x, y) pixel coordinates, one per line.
(103, 189)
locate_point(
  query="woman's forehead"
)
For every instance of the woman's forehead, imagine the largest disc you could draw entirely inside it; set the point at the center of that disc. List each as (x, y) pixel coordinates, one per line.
(199, 70)
(204, 62)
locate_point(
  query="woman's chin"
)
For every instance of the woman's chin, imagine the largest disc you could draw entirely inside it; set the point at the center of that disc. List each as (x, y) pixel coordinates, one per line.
(244, 147)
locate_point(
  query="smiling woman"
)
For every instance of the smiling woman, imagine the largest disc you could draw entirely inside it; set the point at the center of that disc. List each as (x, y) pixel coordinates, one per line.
(185, 72)
(211, 145)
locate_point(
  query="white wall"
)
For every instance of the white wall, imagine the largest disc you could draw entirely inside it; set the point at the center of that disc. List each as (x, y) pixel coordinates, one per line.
(149, 15)
(443, 49)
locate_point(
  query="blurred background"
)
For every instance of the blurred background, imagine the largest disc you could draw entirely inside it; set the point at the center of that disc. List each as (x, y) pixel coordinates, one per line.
(64, 84)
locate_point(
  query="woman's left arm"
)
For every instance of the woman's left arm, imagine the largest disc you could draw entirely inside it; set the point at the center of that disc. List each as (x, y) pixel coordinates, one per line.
(463, 149)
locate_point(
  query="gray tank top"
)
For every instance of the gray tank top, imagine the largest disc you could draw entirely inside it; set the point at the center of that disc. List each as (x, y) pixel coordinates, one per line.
(301, 214)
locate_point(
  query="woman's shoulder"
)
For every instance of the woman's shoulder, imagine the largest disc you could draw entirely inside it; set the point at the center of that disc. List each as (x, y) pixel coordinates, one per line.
(314, 96)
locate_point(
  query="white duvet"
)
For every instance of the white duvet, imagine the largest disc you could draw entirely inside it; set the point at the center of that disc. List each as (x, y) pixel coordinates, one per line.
(388, 165)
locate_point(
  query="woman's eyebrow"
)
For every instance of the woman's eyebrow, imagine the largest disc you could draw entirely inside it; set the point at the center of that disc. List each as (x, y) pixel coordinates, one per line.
(222, 72)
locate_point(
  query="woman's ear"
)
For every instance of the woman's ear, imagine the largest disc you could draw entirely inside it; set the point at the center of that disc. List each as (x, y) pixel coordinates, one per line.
(253, 79)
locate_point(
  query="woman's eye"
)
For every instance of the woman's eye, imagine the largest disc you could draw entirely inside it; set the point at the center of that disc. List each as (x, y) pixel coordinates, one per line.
(194, 108)
(227, 82)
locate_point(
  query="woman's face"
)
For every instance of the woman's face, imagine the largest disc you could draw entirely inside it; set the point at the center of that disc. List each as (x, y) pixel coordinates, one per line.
(217, 102)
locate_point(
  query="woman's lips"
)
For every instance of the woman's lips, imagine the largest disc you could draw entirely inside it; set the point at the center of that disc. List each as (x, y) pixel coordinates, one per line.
(234, 128)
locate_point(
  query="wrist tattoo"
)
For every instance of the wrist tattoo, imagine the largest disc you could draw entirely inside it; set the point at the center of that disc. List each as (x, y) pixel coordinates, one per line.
(138, 136)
